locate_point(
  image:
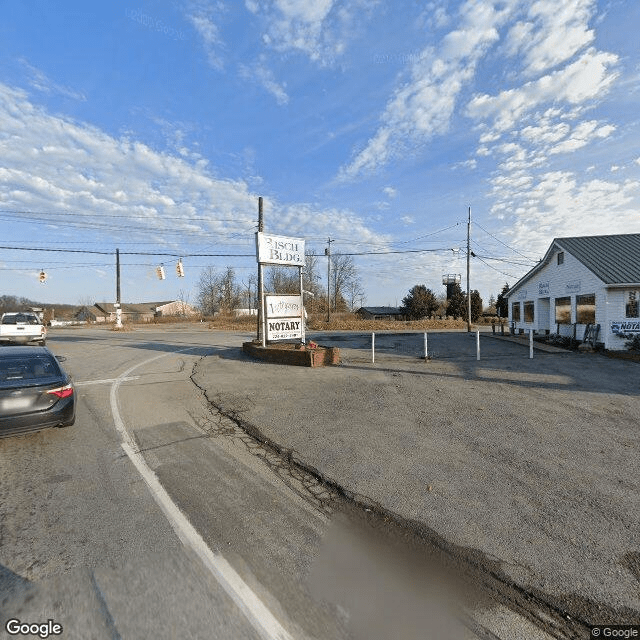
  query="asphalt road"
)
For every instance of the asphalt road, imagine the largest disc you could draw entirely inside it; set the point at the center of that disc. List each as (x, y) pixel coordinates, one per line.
(157, 516)
(87, 541)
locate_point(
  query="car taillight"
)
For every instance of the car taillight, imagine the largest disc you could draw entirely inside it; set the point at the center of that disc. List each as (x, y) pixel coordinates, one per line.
(62, 392)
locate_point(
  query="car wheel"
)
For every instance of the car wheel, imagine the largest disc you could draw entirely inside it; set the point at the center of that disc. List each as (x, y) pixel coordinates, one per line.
(43, 343)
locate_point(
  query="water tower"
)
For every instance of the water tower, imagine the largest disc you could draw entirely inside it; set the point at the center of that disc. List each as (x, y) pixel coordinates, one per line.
(450, 279)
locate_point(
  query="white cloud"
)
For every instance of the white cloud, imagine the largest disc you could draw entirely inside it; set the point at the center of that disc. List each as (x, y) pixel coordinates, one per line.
(128, 190)
(559, 203)
(582, 135)
(390, 192)
(423, 105)
(552, 33)
(262, 75)
(408, 220)
(39, 81)
(589, 77)
(202, 17)
(318, 29)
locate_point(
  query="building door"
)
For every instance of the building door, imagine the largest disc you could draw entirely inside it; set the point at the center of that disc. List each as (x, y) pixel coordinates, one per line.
(543, 313)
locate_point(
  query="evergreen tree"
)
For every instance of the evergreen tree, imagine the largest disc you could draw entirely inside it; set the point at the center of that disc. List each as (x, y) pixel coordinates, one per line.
(502, 304)
(420, 302)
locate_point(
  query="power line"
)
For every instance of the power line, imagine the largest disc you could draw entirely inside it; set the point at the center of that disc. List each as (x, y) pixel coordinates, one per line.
(503, 243)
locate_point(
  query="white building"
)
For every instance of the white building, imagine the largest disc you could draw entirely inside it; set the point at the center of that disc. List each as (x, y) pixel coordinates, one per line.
(589, 280)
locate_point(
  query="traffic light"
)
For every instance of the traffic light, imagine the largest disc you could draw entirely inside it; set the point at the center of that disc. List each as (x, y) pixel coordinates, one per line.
(180, 269)
(42, 277)
(160, 272)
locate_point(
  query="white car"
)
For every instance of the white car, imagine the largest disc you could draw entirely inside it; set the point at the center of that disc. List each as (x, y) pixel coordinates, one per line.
(22, 327)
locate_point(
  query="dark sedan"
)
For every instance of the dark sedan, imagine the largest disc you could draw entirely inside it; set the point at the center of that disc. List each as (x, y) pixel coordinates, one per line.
(35, 392)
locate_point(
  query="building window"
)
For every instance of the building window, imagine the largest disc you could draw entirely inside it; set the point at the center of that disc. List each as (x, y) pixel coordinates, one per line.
(561, 257)
(586, 309)
(563, 310)
(632, 307)
(515, 312)
(528, 311)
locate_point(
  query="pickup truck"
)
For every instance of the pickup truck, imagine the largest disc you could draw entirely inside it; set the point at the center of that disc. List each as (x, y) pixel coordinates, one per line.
(22, 328)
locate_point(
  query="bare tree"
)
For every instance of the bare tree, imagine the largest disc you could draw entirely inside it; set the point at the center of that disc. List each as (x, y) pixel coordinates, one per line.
(282, 280)
(217, 292)
(183, 298)
(355, 294)
(344, 273)
(208, 291)
(250, 292)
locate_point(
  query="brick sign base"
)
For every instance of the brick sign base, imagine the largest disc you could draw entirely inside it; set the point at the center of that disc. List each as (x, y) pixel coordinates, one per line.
(292, 354)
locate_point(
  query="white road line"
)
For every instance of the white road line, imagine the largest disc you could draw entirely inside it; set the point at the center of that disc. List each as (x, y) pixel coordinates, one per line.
(263, 621)
(84, 383)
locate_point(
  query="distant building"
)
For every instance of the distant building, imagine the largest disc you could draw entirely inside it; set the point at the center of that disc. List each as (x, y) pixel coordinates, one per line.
(139, 312)
(581, 281)
(245, 312)
(380, 313)
(174, 308)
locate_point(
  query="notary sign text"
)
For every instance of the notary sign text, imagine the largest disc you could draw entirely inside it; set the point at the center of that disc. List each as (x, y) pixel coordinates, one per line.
(280, 250)
(284, 317)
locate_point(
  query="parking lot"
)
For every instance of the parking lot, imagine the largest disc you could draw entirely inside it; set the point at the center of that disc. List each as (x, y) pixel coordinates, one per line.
(530, 464)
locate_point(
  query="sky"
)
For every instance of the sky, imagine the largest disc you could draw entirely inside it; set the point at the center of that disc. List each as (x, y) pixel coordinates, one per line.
(153, 127)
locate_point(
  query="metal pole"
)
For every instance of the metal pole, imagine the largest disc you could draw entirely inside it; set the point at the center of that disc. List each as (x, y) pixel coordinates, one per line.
(261, 312)
(373, 348)
(530, 344)
(301, 307)
(468, 272)
(260, 283)
(118, 305)
(426, 351)
(328, 252)
(477, 344)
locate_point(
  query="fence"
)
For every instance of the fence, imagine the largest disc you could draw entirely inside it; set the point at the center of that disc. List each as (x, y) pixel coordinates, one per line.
(420, 345)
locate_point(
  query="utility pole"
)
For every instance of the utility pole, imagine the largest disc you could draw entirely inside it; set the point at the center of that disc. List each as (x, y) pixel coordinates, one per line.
(468, 272)
(260, 284)
(118, 307)
(327, 252)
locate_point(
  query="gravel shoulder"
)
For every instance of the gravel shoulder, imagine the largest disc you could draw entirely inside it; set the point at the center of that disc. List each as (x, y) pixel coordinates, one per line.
(531, 463)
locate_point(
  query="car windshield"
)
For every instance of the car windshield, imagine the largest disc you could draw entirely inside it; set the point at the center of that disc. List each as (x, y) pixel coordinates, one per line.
(20, 318)
(27, 368)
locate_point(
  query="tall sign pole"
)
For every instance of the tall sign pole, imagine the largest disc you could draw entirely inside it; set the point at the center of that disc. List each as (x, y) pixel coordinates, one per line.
(328, 253)
(260, 282)
(118, 305)
(468, 271)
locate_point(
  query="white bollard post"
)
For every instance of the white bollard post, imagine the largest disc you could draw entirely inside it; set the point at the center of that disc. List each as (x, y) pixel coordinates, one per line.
(530, 344)
(426, 351)
(373, 347)
(478, 344)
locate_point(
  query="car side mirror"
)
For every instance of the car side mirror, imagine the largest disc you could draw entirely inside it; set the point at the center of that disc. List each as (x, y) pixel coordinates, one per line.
(61, 359)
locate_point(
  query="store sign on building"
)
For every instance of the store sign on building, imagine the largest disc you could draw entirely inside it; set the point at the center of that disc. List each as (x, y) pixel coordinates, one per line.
(574, 286)
(625, 326)
(522, 295)
(543, 289)
(279, 250)
(284, 317)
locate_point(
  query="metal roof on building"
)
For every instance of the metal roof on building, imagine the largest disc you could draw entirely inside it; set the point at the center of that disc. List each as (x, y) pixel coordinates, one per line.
(380, 311)
(615, 259)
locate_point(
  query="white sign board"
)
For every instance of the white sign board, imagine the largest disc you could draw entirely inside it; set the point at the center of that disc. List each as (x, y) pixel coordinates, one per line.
(279, 250)
(283, 306)
(283, 317)
(625, 326)
(284, 328)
